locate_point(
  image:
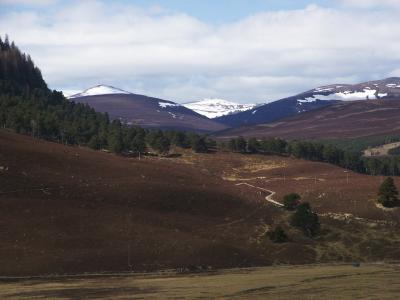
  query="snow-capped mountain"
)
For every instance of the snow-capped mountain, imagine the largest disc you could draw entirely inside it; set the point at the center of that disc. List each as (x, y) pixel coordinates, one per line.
(370, 90)
(100, 89)
(144, 111)
(213, 108)
(316, 98)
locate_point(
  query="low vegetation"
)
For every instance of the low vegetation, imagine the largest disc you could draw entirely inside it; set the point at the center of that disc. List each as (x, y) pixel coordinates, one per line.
(278, 235)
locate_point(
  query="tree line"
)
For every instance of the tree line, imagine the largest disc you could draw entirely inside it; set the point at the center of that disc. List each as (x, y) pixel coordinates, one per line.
(29, 107)
(316, 151)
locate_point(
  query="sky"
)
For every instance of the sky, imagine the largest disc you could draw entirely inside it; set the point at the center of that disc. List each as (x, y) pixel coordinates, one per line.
(186, 50)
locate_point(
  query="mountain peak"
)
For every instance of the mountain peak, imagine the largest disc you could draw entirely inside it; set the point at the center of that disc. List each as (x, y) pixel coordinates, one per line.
(101, 89)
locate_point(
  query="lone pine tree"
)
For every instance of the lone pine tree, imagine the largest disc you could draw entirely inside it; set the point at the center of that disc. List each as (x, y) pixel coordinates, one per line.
(306, 220)
(388, 194)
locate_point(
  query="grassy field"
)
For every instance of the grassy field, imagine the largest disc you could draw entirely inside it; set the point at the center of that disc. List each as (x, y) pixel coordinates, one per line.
(369, 281)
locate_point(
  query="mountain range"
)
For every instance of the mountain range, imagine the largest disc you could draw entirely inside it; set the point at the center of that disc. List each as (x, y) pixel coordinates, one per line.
(148, 112)
(352, 119)
(304, 115)
(314, 99)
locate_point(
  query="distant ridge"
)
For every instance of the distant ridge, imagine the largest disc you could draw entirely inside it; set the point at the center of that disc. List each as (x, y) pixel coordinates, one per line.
(314, 99)
(141, 110)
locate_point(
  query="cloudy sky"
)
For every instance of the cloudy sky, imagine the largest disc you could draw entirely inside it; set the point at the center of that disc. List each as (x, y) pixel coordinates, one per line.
(185, 50)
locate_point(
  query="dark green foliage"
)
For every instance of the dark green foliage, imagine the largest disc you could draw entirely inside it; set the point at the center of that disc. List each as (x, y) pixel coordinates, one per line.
(159, 141)
(199, 144)
(306, 220)
(358, 145)
(238, 145)
(18, 74)
(179, 138)
(115, 141)
(291, 201)
(253, 146)
(273, 146)
(388, 194)
(29, 107)
(94, 142)
(278, 235)
(317, 151)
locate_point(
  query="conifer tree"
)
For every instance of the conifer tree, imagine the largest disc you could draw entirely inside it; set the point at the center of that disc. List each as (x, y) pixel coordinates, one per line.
(306, 220)
(388, 193)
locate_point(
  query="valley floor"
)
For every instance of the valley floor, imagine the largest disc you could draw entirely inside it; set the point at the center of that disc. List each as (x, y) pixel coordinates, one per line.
(369, 281)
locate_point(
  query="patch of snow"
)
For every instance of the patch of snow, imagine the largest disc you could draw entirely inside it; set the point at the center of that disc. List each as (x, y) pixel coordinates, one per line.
(306, 100)
(393, 85)
(173, 115)
(380, 95)
(344, 96)
(213, 108)
(254, 112)
(100, 89)
(167, 104)
(323, 89)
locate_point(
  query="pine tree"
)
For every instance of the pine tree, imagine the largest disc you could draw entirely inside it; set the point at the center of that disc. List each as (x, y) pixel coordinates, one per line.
(94, 143)
(388, 194)
(115, 140)
(306, 220)
(199, 144)
(253, 145)
(291, 201)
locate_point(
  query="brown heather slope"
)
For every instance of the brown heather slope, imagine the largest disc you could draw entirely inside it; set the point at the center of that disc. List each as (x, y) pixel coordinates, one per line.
(72, 210)
(345, 120)
(68, 209)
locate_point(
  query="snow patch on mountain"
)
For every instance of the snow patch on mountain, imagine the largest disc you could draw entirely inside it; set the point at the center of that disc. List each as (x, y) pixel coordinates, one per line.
(213, 108)
(367, 93)
(100, 89)
(167, 104)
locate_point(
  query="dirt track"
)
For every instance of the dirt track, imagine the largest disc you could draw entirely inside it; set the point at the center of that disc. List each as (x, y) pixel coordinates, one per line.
(268, 198)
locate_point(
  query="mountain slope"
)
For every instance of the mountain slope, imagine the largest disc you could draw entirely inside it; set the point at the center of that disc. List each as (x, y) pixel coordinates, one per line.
(342, 120)
(145, 111)
(314, 99)
(70, 210)
(213, 108)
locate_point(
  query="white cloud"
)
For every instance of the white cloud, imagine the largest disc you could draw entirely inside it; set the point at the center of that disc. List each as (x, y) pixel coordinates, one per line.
(28, 2)
(262, 57)
(372, 3)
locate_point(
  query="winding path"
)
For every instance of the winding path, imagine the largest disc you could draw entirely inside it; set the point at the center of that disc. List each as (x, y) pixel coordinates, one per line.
(268, 198)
